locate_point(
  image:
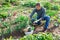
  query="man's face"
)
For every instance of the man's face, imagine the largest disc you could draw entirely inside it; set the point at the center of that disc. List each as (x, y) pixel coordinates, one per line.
(38, 7)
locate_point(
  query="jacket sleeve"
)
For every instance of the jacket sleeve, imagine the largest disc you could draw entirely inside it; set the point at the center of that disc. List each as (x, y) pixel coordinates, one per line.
(32, 13)
(43, 13)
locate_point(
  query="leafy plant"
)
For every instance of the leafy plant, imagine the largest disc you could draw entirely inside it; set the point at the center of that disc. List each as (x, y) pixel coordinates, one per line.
(55, 17)
(8, 31)
(11, 1)
(29, 4)
(9, 38)
(5, 24)
(58, 20)
(22, 22)
(6, 4)
(56, 37)
(56, 24)
(3, 14)
(21, 18)
(55, 7)
(51, 12)
(14, 2)
(40, 36)
(48, 5)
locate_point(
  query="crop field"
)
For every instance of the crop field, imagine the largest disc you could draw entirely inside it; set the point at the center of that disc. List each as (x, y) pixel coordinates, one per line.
(15, 18)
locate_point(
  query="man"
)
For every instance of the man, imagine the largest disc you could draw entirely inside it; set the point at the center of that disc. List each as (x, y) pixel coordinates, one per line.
(40, 16)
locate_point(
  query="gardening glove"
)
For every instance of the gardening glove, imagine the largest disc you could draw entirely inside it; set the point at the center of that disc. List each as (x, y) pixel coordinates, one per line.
(37, 20)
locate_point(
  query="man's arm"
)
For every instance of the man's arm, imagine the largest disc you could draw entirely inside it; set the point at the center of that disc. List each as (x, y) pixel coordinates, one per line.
(32, 13)
(43, 12)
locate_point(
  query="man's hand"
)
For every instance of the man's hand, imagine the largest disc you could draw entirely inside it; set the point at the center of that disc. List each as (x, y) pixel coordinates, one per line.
(37, 20)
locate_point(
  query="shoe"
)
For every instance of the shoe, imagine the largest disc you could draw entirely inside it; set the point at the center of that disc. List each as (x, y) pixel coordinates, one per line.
(44, 30)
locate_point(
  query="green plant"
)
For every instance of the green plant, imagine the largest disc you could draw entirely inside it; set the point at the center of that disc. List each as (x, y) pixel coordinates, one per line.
(17, 28)
(55, 7)
(32, 28)
(9, 38)
(55, 17)
(10, 1)
(56, 24)
(51, 12)
(6, 4)
(3, 14)
(5, 24)
(21, 18)
(58, 20)
(8, 31)
(56, 37)
(40, 36)
(48, 5)
(22, 22)
(29, 4)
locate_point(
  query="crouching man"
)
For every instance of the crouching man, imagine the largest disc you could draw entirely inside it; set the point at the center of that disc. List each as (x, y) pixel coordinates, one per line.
(40, 16)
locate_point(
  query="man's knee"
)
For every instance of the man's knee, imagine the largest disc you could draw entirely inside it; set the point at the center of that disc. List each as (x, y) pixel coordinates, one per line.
(47, 18)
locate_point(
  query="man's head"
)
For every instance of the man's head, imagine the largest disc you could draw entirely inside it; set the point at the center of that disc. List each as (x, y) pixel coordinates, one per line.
(38, 7)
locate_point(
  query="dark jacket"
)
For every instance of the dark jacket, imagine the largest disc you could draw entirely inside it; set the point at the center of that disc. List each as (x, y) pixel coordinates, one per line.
(40, 13)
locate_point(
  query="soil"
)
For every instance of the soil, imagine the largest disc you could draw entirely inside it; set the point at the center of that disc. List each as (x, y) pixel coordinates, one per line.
(51, 28)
